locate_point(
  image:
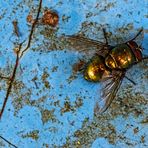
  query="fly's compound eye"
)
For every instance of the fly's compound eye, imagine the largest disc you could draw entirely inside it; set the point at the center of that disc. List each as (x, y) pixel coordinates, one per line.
(132, 44)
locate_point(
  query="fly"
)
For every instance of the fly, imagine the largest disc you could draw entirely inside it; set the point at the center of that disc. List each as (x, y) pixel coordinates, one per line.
(107, 64)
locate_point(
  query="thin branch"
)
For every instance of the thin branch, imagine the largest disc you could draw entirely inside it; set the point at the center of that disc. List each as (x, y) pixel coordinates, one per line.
(3, 77)
(32, 29)
(140, 31)
(11, 81)
(8, 142)
(18, 59)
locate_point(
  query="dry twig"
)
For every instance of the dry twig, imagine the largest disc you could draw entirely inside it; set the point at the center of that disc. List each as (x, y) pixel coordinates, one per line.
(19, 55)
(8, 142)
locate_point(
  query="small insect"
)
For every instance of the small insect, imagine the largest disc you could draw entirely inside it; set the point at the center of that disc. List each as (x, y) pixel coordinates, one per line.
(108, 64)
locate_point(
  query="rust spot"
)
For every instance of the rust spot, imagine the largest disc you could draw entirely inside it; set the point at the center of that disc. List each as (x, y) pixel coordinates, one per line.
(30, 19)
(50, 18)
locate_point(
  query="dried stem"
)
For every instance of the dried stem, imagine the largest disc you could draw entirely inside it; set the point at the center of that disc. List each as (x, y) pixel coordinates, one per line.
(3, 77)
(18, 59)
(11, 81)
(8, 142)
(32, 29)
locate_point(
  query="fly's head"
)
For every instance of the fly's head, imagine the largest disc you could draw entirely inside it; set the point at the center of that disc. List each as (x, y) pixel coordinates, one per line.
(137, 50)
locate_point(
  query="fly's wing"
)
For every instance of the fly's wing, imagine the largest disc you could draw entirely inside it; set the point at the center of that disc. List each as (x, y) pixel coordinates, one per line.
(85, 45)
(111, 84)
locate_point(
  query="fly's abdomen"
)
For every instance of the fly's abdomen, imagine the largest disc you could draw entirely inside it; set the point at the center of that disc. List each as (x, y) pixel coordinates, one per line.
(120, 57)
(95, 69)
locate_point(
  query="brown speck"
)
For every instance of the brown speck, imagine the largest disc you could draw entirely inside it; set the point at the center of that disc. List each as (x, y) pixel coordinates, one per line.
(45, 145)
(71, 78)
(78, 102)
(67, 107)
(78, 133)
(142, 139)
(65, 18)
(30, 19)
(145, 121)
(54, 69)
(48, 115)
(33, 134)
(44, 79)
(136, 130)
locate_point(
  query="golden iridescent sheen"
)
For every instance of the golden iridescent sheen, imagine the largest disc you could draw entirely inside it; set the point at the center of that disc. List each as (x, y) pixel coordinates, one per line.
(95, 69)
(120, 57)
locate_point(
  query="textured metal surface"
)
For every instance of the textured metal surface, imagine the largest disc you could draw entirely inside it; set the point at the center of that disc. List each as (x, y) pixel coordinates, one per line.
(48, 105)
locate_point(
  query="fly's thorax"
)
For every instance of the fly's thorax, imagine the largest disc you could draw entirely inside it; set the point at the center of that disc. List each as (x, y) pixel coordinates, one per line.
(120, 57)
(95, 69)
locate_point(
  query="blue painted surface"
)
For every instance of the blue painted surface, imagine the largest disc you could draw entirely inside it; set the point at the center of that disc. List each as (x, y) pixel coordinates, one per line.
(24, 116)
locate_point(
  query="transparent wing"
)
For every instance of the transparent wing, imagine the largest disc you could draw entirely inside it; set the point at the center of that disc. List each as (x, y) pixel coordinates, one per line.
(110, 87)
(85, 45)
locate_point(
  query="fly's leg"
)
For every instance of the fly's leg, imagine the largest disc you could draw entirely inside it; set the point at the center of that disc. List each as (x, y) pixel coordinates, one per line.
(106, 47)
(140, 31)
(105, 36)
(144, 58)
(137, 62)
(79, 66)
(130, 80)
